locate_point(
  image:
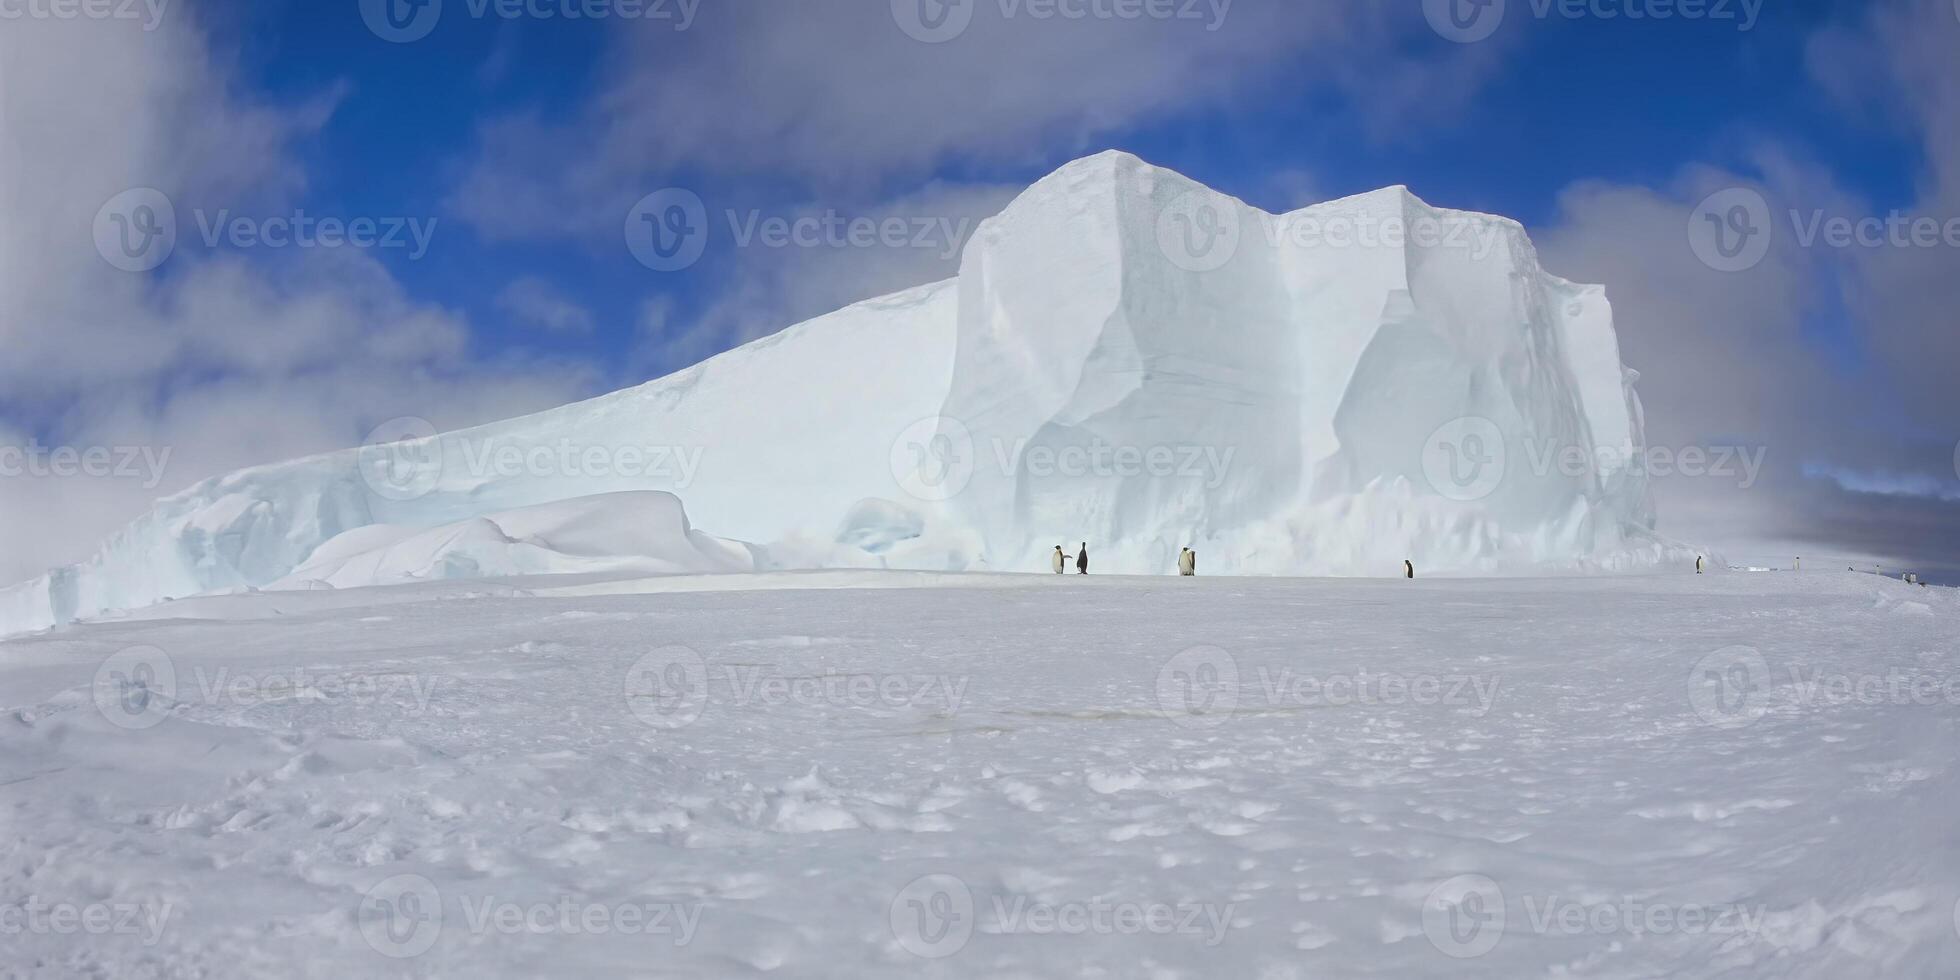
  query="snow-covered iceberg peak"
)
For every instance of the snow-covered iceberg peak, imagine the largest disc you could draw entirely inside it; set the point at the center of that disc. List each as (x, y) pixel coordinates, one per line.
(1148, 364)
(1127, 358)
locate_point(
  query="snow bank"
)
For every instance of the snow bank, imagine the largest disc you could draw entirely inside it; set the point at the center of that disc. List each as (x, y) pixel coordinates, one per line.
(643, 533)
(1127, 358)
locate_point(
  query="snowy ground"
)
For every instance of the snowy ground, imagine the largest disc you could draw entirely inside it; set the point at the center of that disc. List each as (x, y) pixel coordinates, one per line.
(999, 776)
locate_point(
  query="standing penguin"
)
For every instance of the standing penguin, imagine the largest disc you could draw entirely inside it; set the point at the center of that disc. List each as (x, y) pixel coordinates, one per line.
(1059, 560)
(1409, 567)
(1697, 564)
(1187, 562)
(1082, 560)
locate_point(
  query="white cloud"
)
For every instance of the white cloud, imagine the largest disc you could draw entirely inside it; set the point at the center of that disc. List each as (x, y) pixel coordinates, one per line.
(838, 96)
(220, 361)
(533, 301)
(1736, 358)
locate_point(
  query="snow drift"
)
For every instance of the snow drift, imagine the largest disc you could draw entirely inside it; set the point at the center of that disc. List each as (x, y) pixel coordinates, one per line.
(643, 533)
(1126, 358)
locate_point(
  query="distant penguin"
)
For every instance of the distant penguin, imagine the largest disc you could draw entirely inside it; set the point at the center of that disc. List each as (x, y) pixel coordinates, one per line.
(1082, 560)
(1800, 564)
(1409, 568)
(1059, 560)
(1697, 564)
(1187, 562)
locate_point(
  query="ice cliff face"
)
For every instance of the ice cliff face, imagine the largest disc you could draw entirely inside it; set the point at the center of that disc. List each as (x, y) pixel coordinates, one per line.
(1127, 358)
(1147, 364)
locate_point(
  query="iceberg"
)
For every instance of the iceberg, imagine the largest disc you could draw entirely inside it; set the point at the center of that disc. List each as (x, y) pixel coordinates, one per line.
(1127, 358)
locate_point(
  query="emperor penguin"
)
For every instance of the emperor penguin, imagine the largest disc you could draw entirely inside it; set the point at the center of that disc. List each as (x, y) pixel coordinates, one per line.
(1059, 560)
(1409, 568)
(1697, 564)
(1187, 562)
(1082, 560)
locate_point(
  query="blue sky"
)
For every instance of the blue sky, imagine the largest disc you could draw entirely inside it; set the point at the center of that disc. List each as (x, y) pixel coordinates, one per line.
(524, 142)
(1574, 99)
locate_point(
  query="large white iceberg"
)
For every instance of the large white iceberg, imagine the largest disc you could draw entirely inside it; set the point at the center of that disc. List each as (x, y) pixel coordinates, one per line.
(1127, 358)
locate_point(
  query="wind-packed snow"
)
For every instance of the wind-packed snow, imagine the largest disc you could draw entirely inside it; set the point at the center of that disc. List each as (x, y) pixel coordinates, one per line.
(1689, 776)
(642, 533)
(1127, 358)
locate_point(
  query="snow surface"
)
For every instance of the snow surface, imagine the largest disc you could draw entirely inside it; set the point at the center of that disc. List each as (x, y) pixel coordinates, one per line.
(1003, 775)
(643, 532)
(1127, 358)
